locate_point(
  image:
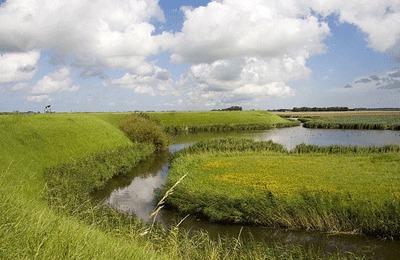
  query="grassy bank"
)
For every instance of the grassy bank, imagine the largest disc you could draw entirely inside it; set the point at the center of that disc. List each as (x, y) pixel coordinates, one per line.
(174, 122)
(335, 188)
(75, 153)
(29, 228)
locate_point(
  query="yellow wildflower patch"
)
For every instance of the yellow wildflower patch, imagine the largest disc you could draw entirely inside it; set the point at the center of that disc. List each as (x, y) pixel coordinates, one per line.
(291, 175)
(266, 183)
(217, 164)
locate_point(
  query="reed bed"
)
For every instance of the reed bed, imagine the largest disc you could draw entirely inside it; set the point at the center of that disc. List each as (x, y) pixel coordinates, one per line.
(335, 188)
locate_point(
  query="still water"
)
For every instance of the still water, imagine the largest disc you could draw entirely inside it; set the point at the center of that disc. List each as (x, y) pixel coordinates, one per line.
(134, 193)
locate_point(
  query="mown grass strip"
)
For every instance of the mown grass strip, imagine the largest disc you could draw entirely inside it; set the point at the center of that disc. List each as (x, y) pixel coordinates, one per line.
(336, 188)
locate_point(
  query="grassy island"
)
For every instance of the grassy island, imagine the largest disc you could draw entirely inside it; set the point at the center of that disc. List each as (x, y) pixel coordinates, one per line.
(334, 188)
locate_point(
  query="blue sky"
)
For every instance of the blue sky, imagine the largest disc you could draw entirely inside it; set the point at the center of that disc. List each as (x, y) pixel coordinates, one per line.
(127, 55)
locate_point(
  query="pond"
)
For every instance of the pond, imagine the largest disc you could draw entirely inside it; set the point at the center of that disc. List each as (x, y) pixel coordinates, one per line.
(134, 193)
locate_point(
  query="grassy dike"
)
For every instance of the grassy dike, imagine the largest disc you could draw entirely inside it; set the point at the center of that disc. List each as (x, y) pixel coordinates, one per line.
(175, 122)
(334, 188)
(50, 162)
(29, 228)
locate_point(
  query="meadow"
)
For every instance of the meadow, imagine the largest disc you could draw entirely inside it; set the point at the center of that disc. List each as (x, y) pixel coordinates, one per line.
(49, 164)
(335, 188)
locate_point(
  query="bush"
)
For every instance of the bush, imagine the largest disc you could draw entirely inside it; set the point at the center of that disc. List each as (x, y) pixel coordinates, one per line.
(142, 130)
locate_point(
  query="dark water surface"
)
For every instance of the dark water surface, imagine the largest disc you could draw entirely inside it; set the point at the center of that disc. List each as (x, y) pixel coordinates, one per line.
(134, 193)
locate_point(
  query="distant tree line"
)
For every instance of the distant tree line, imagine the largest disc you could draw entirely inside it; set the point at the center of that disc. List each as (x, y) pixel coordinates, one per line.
(319, 109)
(232, 108)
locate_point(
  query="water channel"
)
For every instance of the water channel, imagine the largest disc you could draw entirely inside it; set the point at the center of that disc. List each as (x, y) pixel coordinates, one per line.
(134, 193)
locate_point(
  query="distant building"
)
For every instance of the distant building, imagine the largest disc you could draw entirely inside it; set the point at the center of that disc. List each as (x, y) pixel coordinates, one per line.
(47, 109)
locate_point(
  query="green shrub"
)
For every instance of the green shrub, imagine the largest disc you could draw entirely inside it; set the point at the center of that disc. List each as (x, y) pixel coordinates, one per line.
(142, 130)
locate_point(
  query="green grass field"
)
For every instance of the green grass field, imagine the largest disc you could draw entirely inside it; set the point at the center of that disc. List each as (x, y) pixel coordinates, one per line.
(32, 227)
(345, 189)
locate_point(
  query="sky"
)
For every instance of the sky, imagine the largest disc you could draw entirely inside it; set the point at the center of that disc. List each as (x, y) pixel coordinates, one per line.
(162, 55)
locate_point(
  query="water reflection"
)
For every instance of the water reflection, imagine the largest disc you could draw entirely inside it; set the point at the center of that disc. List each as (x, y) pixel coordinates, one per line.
(290, 137)
(134, 192)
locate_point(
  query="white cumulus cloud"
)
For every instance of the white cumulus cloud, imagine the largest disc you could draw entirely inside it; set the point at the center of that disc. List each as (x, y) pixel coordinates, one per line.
(39, 98)
(379, 19)
(246, 50)
(241, 80)
(116, 34)
(19, 66)
(234, 28)
(145, 79)
(55, 82)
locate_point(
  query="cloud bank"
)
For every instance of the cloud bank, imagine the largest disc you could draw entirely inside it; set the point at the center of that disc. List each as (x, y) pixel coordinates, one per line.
(238, 51)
